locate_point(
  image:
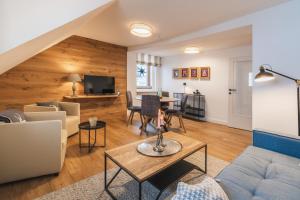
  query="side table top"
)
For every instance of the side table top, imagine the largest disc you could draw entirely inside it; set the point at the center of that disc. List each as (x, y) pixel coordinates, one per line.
(86, 125)
(142, 167)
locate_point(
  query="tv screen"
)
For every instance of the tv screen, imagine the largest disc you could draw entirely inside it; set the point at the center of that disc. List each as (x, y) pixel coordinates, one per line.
(99, 84)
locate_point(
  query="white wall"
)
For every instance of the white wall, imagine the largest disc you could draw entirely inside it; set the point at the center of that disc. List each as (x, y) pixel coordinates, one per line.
(216, 89)
(21, 21)
(276, 41)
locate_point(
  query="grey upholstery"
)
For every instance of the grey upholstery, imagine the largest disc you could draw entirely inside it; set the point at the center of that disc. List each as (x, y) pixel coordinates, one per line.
(260, 174)
(178, 113)
(129, 99)
(131, 107)
(150, 105)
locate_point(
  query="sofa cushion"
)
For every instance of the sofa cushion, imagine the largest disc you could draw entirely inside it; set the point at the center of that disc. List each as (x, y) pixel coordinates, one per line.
(262, 174)
(54, 104)
(72, 123)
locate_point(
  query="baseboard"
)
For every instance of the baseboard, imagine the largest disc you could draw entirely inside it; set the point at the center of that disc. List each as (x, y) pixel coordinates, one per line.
(216, 121)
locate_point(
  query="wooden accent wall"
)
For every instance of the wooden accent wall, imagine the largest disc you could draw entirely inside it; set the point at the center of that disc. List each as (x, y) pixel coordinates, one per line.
(44, 76)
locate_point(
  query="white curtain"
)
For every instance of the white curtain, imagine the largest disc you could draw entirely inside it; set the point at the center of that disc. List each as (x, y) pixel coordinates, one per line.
(148, 59)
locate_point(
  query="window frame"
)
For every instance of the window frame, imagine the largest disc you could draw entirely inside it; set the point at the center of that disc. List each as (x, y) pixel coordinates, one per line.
(149, 74)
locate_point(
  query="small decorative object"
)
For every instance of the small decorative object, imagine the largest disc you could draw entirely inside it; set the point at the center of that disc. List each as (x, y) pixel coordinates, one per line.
(176, 73)
(74, 78)
(159, 147)
(205, 73)
(93, 121)
(194, 72)
(185, 72)
(118, 92)
(196, 92)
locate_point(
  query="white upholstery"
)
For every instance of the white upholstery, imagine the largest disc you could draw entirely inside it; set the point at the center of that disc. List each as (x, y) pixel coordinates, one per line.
(33, 148)
(72, 110)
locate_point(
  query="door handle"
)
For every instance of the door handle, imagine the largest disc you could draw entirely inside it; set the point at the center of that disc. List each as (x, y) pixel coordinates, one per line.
(232, 90)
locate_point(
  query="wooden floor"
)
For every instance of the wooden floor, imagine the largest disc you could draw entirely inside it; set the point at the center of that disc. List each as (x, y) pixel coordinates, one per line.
(223, 142)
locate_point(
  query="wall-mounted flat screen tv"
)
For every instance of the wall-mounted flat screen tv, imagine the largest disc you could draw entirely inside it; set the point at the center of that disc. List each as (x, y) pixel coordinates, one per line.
(99, 85)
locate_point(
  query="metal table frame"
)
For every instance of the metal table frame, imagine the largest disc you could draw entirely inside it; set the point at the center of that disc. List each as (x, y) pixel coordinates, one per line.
(89, 145)
(107, 183)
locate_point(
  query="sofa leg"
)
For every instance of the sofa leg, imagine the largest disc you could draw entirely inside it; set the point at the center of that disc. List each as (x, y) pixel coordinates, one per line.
(56, 174)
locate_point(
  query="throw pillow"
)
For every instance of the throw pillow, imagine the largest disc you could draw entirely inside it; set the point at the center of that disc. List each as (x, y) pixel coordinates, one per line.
(12, 115)
(208, 189)
(47, 104)
(4, 119)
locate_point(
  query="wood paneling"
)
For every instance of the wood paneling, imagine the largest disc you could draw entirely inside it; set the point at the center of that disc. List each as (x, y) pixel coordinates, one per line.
(44, 76)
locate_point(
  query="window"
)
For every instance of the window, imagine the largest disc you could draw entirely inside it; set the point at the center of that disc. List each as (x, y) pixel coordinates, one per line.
(143, 76)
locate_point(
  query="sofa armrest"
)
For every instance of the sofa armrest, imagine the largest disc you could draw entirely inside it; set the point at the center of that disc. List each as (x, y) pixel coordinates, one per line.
(45, 116)
(35, 108)
(70, 108)
(30, 149)
(288, 145)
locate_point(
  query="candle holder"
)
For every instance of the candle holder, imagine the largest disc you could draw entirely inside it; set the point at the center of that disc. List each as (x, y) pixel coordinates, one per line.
(160, 145)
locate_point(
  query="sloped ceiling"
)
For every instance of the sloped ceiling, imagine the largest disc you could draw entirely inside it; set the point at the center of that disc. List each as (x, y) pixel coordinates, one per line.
(36, 25)
(28, 27)
(168, 18)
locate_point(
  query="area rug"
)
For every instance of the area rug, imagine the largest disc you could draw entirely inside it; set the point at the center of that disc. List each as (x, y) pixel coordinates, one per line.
(125, 188)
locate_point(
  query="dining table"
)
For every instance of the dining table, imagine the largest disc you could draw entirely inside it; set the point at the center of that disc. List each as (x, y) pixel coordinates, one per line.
(162, 99)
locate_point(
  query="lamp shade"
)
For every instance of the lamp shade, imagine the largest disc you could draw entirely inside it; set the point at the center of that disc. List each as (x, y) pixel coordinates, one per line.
(263, 75)
(74, 78)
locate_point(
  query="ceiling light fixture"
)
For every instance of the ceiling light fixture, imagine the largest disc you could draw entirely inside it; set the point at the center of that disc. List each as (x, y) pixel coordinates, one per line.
(141, 30)
(191, 50)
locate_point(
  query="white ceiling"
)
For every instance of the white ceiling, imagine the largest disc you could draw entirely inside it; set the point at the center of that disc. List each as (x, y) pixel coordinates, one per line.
(221, 40)
(168, 18)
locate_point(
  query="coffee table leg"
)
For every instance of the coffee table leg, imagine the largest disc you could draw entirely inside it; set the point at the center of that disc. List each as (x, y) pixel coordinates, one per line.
(105, 136)
(205, 159)
(140, 191)
(105, 173)
(80, 139)
(89, 140)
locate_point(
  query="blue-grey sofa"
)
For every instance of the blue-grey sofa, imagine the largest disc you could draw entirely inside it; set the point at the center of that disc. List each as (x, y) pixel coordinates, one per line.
(268, 170)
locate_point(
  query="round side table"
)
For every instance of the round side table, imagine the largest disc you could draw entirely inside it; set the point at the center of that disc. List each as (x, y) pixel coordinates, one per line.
(86, 126)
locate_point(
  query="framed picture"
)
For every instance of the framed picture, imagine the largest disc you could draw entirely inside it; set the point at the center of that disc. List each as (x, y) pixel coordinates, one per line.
(194, 72)
(185, 73)
(176, 73)
(205, 73)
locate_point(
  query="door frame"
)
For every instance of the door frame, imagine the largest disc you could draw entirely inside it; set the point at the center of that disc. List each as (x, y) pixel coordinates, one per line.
(231, 84)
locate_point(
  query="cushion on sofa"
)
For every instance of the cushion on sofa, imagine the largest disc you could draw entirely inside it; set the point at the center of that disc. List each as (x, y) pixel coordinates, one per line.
(12, 115)
(262, 174)
(208, 189)
(54, 104)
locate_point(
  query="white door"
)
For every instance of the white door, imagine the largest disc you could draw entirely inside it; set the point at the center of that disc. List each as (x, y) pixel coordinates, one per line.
(240, 94)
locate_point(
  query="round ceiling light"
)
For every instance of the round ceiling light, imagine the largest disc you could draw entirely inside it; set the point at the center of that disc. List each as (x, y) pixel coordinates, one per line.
(141, 30)
(191, 50)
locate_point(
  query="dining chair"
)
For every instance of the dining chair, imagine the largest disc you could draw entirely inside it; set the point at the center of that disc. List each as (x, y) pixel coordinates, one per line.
(149, 110)
(133, 109)
(178, 113)
(165, 105)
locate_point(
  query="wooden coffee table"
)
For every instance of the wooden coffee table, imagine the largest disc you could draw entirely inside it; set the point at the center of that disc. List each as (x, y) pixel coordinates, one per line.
(159, 171)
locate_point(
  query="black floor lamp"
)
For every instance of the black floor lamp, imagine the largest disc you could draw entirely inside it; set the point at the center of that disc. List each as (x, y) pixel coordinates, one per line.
(266, 74)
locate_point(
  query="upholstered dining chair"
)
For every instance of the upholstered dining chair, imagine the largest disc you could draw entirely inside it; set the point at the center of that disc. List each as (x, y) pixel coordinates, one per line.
(133, 109)
(165, 105)
(177, 113)
(149, 111)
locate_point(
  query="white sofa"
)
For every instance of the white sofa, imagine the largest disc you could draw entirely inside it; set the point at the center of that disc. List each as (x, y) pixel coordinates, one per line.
(72, 110)
(33, 148)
